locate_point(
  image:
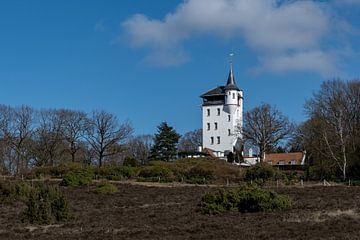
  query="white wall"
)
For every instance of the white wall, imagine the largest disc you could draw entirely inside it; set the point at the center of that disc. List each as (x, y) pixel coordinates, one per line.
(226, 142)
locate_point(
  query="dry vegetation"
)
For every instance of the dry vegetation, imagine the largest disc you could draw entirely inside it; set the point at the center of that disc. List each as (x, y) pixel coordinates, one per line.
(141, 212)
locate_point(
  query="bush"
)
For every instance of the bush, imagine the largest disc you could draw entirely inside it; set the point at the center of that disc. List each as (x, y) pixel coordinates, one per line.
(104, 187)
(130, 162)
(14, 191)
(262, 171)
(21, 191)
(5, 190)
(156, 173)
(110, 172)
(199, 175)
(77, 178)
(45, 205)
(244, 199)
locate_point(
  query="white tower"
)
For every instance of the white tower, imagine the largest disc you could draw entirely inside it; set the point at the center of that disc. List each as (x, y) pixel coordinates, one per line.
(222, 118)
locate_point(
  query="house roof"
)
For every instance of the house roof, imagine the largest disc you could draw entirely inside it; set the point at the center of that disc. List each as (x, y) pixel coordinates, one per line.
(218, 91)
(209, 151)
(284, 158)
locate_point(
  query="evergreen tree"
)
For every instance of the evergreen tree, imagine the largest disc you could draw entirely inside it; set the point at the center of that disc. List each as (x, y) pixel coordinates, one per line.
(165, 144)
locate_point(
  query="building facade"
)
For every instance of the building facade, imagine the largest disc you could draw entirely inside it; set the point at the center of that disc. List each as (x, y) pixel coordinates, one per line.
(222, 117)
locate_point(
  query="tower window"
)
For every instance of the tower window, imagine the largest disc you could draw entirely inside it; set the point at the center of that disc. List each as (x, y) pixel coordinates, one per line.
(216, 126)
(208, 126)
(229, 118)
(212, 140)
(218, 140)
(233, 95)
(208, 112)
(229, 132)
(218, 111)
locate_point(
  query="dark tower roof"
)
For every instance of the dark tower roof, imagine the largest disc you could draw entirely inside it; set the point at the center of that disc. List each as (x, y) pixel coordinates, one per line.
(231, 84)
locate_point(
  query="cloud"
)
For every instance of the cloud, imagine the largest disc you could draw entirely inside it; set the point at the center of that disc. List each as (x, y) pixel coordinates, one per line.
(286, 37)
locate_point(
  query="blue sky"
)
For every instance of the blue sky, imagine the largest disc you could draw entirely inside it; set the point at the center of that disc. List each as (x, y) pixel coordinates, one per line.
(149, 61)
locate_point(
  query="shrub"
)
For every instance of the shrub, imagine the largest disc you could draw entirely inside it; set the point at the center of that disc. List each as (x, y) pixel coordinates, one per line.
(45, 205)
(244, 199)
(14, 191)
(115, 172)
(77, 178)
(199, 175)
(21, 191)
(104, 187)
(156, 173)
(130, 162)
(5, 190)
(262, 171)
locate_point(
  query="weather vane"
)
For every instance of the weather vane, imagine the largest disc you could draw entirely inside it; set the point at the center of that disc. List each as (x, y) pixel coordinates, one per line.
(231, 56)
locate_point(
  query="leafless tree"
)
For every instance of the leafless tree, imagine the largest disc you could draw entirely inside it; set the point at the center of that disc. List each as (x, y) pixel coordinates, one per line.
(191, 141)
(73, 130)
(48, 137)
(104, 132)
(5, 150)
(337, 108)
(139, 147)
(21, 131)
(265, 127)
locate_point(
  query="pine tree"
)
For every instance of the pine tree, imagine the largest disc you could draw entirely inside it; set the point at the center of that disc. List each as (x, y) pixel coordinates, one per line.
(165, 144)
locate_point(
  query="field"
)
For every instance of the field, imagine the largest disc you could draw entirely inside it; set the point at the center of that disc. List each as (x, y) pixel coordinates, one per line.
(168, 212)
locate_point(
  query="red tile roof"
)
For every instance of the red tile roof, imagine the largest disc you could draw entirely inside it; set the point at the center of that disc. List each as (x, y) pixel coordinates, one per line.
(294, 158)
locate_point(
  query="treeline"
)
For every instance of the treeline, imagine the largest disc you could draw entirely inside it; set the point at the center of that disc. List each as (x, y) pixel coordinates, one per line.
(331, 135)
(49, 137)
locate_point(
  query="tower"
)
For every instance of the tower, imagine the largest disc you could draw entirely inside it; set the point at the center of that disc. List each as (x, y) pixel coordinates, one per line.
(222, 116)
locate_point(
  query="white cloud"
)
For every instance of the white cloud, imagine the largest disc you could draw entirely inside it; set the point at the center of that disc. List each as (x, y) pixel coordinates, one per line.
(285, 37)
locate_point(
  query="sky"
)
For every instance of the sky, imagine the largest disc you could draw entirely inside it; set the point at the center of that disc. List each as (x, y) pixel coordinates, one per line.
(149, 61)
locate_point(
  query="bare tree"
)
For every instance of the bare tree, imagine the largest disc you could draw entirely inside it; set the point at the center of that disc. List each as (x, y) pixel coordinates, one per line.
(104, 132)
(21, 130)
(191, 141)
(337, 108)
(139, 147)
(73, 131)
(48, 137)
(5, 150)
(265, 127)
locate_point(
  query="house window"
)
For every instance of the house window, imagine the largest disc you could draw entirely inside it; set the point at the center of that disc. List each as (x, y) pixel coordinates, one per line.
(216, 126)
(212, 140)
(208, 126)
(208, 112)
(218, 111)
(218, 140)
(293, 162)
(281, 163)
(229, 132)
(229, 118)
(233, 95)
